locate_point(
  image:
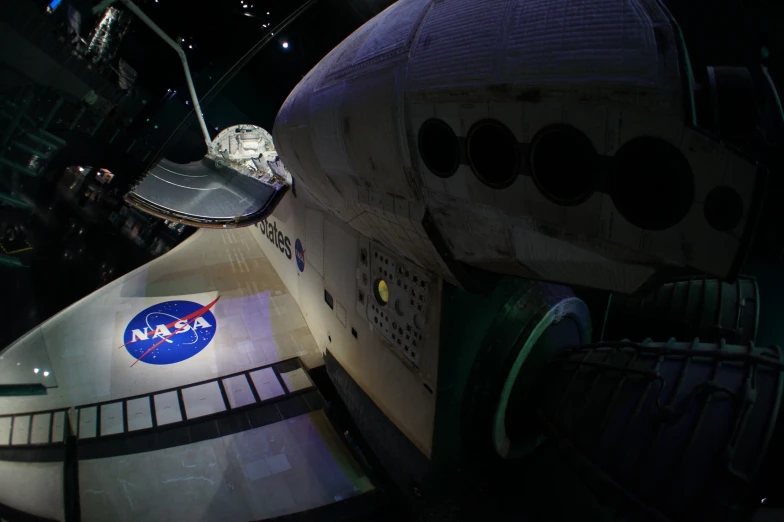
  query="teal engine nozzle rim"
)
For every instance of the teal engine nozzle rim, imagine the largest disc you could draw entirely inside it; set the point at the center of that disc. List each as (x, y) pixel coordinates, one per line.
(571, 308)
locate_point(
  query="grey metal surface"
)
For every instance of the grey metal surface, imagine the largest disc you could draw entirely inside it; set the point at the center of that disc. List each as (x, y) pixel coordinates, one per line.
(203, 190)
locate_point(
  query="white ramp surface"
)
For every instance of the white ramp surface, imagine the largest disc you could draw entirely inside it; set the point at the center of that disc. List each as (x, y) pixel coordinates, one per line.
(278, 469)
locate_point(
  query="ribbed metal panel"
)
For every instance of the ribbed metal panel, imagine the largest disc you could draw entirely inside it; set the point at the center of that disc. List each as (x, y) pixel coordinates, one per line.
(559, 40)
(457, 43)
(394, 29)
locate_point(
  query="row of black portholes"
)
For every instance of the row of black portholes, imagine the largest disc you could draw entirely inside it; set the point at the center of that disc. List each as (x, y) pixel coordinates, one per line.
(649, 180)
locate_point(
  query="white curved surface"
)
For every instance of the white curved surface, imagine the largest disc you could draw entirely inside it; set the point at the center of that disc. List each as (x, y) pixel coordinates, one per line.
(33, 487)
(259, 322)
(610, 68)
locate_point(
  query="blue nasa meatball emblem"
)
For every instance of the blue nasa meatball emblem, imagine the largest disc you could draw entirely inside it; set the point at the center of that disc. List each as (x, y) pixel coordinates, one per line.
(170, 332)
(300, 253)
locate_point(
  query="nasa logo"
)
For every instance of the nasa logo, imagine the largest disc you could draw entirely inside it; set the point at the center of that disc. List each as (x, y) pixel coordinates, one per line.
(170, 332)
(300, 252)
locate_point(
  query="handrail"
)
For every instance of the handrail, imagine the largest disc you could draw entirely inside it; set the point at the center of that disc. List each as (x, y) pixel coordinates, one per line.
(157, 30)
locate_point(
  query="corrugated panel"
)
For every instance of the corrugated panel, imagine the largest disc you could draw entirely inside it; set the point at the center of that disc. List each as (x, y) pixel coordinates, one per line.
(371, 136)
(325, 129)
(393, 30)
(557, 40)
(314, 240)
(345, 53)
(456, 43)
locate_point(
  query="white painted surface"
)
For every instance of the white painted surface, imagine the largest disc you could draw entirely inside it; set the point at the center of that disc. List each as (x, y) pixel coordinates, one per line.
(42, 425)
(285, 467)
(266, 383)
(5, 431)
(139, 414)
(111, 418)
(238, 391)
(258, 323)
(167, 408)
(88, 425)
(296, 380)
(393, 384)
(33, 487)
(201, 400)
(58, 428)
(21, 430)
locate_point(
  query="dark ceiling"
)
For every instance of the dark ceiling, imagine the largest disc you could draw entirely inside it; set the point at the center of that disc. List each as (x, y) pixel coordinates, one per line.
(221, 32)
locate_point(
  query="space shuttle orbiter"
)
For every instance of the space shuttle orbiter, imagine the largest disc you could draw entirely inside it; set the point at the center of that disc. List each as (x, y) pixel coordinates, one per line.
(446, 149)
(559, 141)
(455, 167)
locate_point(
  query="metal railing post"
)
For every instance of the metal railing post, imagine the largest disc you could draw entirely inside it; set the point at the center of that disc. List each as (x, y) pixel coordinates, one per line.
(157, 30)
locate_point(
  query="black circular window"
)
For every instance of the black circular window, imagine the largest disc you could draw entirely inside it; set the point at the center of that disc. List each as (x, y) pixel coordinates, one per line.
(439, 148)
(493, 153)
(652, 184)
(723, 208)
(563, 164)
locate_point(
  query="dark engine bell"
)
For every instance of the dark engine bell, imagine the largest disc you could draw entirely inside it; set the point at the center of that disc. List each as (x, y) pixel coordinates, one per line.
(673, 431)
(733, 103)
(687, 308)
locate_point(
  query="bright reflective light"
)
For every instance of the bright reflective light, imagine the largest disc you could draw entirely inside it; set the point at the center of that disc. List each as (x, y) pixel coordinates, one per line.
(46, 374)
(36, 370)
(190, 47)
(267, 12)
(81, 169)
(244, 6)
(382, 292)
(285, 45)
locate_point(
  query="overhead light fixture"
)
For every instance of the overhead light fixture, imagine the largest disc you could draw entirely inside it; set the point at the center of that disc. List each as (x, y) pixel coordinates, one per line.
(244, 6)
(36, 370)
(46, 373)
(285, 45)
(190, 47)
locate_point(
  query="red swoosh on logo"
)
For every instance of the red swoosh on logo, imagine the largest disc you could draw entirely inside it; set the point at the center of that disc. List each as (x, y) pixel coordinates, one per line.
(190, 317)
